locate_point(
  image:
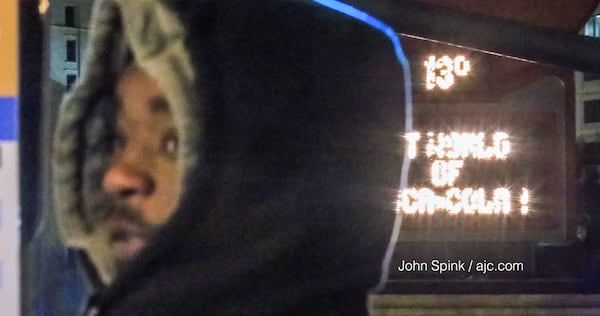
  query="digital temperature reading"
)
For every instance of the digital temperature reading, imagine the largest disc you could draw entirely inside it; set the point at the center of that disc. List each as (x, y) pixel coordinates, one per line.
(441, 72)
(448, 154)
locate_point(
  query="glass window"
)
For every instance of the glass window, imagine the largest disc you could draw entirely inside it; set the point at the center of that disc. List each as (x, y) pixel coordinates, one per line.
(71, 50)
(592, 27)
(70, 16)
(590, 77)
(591, 111)
(70, 80)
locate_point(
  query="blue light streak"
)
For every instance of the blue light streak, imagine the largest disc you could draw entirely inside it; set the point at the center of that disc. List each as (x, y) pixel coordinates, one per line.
(391, 34)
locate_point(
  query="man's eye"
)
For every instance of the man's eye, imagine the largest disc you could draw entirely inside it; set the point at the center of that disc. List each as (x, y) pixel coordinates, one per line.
(170, 143)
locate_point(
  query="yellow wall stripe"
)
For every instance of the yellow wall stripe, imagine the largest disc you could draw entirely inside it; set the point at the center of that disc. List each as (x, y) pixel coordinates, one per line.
(9, 48)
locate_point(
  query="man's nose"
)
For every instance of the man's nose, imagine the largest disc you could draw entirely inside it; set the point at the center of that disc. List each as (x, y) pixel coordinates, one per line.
(126, 181)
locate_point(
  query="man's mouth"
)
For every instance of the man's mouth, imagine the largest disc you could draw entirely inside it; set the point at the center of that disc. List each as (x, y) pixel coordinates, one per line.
(126, 238)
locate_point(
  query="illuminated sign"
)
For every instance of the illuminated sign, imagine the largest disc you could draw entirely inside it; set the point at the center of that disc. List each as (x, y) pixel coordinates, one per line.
(448, 153)
(487, 171)
(9, 162)
(441, 72)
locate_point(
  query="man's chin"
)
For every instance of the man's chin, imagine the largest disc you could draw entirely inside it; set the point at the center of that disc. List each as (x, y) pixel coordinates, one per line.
(126, 249)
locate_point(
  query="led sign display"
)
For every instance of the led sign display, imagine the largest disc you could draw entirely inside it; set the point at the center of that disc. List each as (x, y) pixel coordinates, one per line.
(441, 72)
(448, 153)
(487, 170)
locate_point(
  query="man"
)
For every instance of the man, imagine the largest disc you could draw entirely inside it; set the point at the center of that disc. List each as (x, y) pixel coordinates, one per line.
(231, 158)
(143, 176)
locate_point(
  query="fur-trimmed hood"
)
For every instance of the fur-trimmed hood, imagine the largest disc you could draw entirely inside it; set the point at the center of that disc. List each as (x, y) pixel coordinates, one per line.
(154, 35)
(290, 118)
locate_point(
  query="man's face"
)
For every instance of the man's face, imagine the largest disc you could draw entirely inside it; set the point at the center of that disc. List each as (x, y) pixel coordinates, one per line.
(143, 178)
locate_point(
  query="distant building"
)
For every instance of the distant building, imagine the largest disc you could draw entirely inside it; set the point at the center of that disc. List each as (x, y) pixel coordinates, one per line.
(587, 94)
(53, 281)
(67, 38)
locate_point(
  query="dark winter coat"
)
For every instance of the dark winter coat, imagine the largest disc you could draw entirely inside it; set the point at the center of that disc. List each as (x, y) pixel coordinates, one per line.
(290, 118)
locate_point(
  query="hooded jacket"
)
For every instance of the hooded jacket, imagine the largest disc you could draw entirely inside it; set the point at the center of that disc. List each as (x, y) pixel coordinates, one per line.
(290, 118)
